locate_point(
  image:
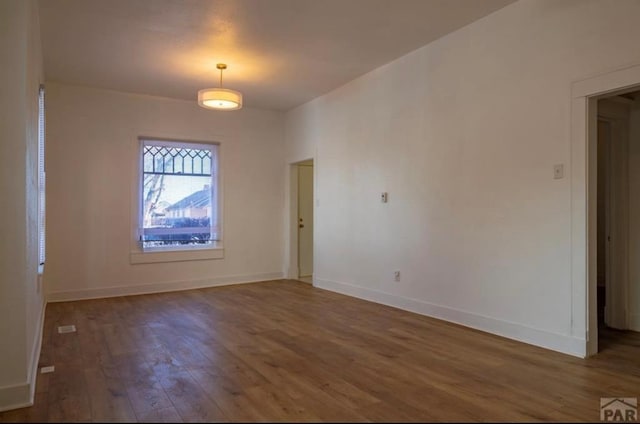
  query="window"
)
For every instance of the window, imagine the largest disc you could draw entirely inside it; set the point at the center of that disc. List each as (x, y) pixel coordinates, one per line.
(179, 195)
(41, 179)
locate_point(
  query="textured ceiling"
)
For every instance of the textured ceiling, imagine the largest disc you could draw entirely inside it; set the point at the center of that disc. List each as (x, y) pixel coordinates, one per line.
(280, 53)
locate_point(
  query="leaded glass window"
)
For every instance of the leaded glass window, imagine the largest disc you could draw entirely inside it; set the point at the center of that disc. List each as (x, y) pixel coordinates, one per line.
(179, 195)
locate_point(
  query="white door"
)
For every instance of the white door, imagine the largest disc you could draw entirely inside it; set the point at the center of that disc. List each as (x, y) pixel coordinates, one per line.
(305, 220)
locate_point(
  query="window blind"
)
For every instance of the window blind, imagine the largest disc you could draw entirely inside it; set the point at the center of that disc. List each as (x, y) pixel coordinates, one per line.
(41, 177)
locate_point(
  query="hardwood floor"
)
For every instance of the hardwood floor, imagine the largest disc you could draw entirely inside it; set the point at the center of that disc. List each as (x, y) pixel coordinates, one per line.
(285, 351)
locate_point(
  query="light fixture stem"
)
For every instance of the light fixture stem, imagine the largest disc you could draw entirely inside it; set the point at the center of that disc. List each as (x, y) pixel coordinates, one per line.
(222, 67)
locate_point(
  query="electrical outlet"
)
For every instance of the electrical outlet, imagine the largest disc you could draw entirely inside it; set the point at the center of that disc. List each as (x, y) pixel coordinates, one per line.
(396, 275)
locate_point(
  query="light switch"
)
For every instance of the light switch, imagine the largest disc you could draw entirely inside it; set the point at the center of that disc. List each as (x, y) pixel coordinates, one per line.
(558, 171)
(384, 197)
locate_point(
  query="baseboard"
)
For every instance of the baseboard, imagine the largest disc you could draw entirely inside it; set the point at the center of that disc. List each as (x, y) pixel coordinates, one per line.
(16, 396)
(116, 291)
(22, 395)
(634, 322)
(557, 342)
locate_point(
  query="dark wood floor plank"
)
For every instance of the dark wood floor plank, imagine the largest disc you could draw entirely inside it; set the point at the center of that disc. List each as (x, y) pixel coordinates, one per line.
(189, 399)
(275, 403)
(146, 397)
(108, 397)
(165, 415)
(68, 399)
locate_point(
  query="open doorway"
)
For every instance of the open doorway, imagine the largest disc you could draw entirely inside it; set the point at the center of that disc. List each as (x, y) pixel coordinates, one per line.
(618, 205)
(585, 95)
(303, 174)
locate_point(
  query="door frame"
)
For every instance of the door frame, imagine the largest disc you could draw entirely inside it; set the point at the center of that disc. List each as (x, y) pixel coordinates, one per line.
(292, 271)
(584, 120)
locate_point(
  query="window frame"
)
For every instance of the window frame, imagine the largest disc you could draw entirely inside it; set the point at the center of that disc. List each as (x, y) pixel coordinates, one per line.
(213, 250)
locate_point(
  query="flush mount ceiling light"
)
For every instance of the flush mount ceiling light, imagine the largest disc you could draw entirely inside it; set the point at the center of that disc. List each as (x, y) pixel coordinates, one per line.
(220, 98)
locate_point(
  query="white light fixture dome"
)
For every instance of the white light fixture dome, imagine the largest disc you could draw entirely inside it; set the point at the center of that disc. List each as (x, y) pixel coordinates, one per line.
(220, 98)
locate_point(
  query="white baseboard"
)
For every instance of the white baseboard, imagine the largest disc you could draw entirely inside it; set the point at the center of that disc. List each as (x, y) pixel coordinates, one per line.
(115, 291)
(22, 395)
(634, 322)
(558, 342)
(16, 396)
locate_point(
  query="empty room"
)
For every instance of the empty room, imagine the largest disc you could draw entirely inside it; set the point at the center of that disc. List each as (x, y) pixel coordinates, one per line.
(319, 210)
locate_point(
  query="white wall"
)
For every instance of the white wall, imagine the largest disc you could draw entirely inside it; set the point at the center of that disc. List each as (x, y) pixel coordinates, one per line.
(21, 300)
(463, 134)
(634, 215)
(91, 182)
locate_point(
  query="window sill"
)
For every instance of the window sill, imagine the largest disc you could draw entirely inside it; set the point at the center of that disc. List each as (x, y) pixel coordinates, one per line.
(157, 256)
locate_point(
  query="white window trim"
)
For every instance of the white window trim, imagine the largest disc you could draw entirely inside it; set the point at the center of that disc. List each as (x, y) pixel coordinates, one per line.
(148, 257)
(215, 250)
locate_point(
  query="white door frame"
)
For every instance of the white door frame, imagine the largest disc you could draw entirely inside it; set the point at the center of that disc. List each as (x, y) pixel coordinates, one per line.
(585, 93)
(292, 271)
